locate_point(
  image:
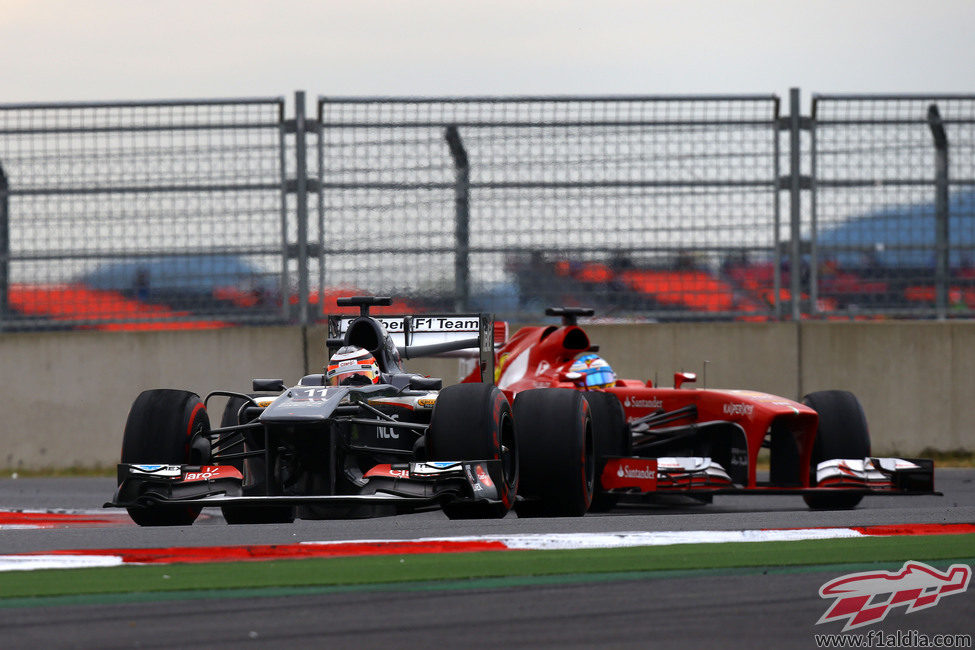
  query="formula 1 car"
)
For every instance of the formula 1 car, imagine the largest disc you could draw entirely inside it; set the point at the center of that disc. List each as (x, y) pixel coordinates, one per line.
(585, 448)
(395, 442)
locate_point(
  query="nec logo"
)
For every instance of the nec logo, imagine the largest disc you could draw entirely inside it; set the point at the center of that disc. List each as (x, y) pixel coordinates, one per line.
(866, 598)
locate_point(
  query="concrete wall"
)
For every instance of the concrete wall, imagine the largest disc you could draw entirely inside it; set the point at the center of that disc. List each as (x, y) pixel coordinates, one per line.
(68, 393)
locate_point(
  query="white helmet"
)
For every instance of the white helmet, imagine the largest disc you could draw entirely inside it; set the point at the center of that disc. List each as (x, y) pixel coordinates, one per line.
(352, 365)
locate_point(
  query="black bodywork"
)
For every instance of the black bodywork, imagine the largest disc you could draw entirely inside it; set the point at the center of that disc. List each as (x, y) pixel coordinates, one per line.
(329, 451)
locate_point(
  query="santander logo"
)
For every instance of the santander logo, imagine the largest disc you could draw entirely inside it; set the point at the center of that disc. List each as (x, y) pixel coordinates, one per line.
(633, 402)
(625, 471)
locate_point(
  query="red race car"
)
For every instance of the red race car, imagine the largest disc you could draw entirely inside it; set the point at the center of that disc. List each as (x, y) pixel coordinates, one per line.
(588, 440)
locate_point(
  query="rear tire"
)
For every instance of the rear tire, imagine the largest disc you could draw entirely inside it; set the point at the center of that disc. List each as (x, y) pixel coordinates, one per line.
(558, 466)
(252, 485)
(165, 427)
(842, 433)
(473, 422)
(612, 437)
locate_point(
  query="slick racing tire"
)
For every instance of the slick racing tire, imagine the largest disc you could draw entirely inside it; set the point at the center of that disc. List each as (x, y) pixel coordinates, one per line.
(842, 433)
(250, 469)
(166, 427)
(612, 437)
(474, 422)
(557, 451)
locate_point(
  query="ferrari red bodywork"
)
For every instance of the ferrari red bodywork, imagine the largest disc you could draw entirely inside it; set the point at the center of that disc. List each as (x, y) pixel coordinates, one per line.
(697, 440)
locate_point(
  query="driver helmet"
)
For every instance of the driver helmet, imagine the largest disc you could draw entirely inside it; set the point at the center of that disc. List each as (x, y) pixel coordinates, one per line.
(351, 365)
(595, 371)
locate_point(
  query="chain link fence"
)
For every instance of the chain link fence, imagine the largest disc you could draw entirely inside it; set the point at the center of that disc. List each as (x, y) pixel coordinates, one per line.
(630, 205)
(893, 221)
(213, 213)
(136, 214)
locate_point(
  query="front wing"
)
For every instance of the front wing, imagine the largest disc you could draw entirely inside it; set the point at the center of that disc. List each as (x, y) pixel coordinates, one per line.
(704, 476)
(408, 486)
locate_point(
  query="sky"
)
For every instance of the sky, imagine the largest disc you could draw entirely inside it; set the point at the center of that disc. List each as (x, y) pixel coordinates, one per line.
(95, 50)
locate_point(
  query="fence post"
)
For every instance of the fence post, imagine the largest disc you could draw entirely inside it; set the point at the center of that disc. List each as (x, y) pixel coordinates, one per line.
(462, 206)
(795, 204)
(301, 205)
(941, 243)
(4, 247)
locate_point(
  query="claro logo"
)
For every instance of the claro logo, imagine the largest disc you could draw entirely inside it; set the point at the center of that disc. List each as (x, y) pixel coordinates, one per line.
(625, 471)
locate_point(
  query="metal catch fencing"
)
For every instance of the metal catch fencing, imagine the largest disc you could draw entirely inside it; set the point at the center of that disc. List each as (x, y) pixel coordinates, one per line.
(212, 213)
(628, 205)
(141, 214)
(892, 232)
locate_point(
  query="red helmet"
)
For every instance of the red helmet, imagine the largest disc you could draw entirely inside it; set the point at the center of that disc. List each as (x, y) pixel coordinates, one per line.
(351, 365)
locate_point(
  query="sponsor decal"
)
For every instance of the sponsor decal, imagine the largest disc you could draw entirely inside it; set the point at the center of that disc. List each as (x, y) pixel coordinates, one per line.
(153, 468)
(625, 471)
(211, 473)
(388, 471)
(866, 598)
(157, 471)
(736, 408)
(629, 473)
(637, 403)
(502, 362)
(543, 366)
(483, 477)
(423, 324)
(446, 324)
(387, 432)
(435, 467)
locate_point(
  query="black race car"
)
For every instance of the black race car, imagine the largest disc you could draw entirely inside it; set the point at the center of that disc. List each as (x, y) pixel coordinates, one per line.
(319, 451)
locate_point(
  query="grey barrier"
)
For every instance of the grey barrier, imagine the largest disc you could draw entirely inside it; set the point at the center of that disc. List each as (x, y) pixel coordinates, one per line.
(136, 215)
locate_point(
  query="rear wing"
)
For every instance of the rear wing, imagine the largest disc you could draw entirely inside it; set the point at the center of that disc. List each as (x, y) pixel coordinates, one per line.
(419, 335)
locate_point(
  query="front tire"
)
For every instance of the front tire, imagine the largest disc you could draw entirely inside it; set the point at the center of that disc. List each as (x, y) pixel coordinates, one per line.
(473, 422)
(612, 437)
(166, 427)
(842, 433)
(558, 466)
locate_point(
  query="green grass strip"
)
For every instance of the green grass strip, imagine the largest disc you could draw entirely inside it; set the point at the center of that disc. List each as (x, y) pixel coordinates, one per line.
(466, 569)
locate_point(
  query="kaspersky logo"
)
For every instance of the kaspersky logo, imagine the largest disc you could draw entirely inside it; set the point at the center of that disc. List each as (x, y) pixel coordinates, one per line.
(866, 598)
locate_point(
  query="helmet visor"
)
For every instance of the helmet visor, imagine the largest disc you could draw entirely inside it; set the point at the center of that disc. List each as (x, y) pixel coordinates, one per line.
(600, 377)
(338, 375)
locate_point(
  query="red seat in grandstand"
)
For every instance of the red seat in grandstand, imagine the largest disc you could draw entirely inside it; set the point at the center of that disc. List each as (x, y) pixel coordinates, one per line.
(72, 302)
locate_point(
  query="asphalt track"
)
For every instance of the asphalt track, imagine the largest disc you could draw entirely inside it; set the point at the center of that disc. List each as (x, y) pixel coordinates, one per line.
(724, 609)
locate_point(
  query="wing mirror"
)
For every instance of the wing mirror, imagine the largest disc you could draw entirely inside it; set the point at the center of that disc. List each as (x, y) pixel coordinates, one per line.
(269, 385)
(426, 383)
(681, 378)
(570, 376)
